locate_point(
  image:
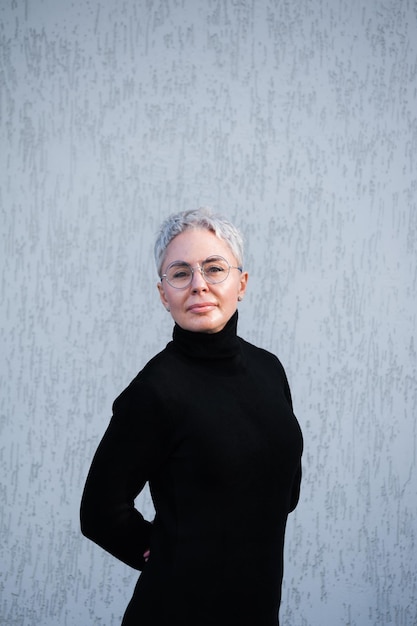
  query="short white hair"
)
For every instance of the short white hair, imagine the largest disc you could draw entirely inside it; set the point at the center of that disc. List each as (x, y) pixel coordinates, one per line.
(202, 217)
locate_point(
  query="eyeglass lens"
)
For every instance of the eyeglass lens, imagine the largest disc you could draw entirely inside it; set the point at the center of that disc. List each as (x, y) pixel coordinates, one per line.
(180, 274)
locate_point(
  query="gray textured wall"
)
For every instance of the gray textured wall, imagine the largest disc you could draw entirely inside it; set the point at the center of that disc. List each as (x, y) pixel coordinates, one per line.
(299, 121)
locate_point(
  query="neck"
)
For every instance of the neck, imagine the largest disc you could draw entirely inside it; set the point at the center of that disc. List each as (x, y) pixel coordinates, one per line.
(221, 345)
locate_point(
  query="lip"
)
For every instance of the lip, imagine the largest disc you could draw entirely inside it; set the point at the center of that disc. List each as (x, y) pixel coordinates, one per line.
(201, 307)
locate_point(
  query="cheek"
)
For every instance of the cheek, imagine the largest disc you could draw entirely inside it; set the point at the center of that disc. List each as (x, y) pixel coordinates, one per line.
(234, 289)
(229, 296)
(168, 299)
(174, 300)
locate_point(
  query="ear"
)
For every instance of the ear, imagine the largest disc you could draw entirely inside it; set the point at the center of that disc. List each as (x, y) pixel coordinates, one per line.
(163, 296)
(243, 283)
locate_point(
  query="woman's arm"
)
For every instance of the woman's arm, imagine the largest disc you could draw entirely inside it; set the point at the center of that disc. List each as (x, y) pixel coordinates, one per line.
(295, 492)
(134, 444)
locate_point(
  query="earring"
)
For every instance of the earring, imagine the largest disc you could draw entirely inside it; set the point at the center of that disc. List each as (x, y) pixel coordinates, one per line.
(239, 298)
(168, 309)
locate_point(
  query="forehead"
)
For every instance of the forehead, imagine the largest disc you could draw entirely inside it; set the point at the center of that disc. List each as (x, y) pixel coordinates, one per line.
(196, 244)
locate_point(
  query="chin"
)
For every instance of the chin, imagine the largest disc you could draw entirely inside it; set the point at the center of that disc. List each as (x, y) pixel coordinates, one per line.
(203, 325)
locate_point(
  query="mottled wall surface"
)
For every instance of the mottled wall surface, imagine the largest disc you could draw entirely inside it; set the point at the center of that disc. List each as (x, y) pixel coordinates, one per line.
(299, 121)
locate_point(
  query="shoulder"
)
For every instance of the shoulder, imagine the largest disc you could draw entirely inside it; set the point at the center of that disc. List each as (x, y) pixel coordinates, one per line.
(148, 380)
(153, 382)
(265, 364)
(144, 405)
(260, 355)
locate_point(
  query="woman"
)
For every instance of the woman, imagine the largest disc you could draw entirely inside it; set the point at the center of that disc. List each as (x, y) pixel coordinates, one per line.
(209, 423)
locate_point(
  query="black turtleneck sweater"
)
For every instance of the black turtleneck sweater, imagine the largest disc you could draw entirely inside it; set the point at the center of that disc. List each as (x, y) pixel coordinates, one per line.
(209, 423)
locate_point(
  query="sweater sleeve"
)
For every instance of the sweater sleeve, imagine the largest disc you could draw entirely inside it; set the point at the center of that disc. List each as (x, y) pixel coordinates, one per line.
(296, 484)
(134, 445)
(295, 491)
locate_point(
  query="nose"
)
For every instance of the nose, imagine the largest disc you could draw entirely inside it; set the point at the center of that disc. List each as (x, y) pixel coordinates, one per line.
(198, 282)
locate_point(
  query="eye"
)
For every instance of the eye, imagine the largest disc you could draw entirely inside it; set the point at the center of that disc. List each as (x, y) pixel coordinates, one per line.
(214, 268)
(180, 273)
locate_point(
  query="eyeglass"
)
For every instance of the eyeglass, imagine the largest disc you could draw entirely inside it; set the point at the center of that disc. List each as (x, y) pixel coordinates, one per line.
(214, 270)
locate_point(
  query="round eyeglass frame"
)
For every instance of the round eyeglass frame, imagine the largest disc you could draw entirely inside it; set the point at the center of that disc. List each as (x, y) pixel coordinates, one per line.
(207, 278)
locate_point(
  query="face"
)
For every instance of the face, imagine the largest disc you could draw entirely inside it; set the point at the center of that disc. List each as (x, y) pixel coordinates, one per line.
(202, 306)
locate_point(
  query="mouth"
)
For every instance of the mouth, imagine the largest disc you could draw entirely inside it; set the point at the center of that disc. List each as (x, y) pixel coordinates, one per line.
(201, 307)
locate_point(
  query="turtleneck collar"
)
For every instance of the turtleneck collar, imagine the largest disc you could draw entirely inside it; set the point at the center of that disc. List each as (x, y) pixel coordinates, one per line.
(222, 345)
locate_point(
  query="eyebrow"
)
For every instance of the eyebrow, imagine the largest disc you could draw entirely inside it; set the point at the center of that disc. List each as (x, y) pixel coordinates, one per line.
(212, 257)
